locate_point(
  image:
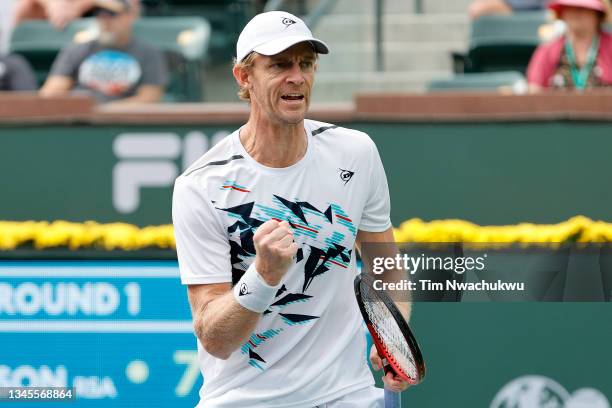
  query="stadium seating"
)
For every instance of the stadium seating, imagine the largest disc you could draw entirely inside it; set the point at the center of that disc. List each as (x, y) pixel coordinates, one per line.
(226, 17)
(486, 81)
(39, 42)
(503, 43)
(184, 40)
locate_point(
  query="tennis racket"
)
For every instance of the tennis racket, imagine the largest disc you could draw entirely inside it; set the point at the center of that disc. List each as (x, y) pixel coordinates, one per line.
(392, 337)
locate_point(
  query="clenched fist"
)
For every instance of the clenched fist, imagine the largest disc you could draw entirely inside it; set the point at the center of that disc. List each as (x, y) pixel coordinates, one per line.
(275, 250)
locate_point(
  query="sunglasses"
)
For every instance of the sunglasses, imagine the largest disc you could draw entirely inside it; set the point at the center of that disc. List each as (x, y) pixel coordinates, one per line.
(100, 12)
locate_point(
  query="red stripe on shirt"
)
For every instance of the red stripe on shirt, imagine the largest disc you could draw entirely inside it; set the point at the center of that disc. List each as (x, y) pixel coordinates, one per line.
(344, 218)
(339, 264)
(238, 189)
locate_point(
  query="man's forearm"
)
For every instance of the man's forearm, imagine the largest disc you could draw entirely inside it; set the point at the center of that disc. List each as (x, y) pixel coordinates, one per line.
(382, 245)
(145, 94)
(224, 325)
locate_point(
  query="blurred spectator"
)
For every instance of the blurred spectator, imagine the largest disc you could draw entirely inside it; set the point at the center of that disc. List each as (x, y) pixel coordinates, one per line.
(16, 74)
(115, 66)
(480, 8)
(582, 57)
(58, 12)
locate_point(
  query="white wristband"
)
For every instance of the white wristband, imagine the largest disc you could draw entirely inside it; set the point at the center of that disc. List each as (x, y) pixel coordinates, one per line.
(253, 293)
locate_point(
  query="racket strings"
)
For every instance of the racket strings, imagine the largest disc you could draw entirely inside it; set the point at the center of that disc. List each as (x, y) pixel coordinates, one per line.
(389, 333)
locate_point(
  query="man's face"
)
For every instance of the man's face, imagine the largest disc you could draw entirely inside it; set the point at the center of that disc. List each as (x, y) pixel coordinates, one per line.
(280, 85)
(113, 26)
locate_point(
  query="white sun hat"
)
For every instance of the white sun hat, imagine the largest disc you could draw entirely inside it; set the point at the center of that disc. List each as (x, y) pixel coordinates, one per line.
(273, 32)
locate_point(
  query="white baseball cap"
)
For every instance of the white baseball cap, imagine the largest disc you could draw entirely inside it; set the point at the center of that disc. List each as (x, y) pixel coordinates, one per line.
(273, 32)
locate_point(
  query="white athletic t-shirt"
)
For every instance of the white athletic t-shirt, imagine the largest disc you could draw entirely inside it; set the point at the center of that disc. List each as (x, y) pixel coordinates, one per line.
(309, 346)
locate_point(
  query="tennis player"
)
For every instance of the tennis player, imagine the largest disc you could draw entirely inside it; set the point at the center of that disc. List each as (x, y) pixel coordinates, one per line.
(266, 223)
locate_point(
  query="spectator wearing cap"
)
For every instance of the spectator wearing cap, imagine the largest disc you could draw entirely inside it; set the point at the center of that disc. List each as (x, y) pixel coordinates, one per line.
(115, 67)
(479, 8)
(582, 57)
(58, 12)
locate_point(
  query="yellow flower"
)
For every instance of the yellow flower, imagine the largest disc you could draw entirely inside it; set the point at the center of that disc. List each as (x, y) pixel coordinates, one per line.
(578, 228)
(42, 234)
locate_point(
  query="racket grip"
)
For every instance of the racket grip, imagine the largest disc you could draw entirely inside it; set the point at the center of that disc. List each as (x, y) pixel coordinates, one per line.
(393, 399)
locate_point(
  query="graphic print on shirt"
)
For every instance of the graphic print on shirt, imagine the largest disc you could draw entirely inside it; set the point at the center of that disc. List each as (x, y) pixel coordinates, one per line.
(255, 340)
(110, 72)
(230, 184)
(324, 236)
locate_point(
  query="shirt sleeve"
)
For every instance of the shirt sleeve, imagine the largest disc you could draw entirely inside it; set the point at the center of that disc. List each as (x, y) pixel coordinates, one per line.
(376, 214)
(535, 69)
(154, 68)
(68, 61)
(202, 244)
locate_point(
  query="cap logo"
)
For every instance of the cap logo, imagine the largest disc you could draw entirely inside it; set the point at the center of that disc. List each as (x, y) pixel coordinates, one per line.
(287, 22)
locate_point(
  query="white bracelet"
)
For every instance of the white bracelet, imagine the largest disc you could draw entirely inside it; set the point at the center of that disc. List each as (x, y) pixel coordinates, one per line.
(252, 292)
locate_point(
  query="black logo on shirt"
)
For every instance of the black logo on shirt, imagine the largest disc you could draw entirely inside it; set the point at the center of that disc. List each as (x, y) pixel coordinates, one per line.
(244, 290)
(287, 22)
(346, 175)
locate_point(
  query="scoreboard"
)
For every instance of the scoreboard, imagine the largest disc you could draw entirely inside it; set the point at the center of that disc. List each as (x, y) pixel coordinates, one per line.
(118, 333)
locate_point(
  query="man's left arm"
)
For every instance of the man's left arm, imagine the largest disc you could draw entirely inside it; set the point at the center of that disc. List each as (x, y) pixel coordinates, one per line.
(382, 245)
(375, 228)
(144, 94)
(375, 239)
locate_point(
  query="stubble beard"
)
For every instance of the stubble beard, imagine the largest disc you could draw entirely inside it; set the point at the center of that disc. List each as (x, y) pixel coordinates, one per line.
(107, 38)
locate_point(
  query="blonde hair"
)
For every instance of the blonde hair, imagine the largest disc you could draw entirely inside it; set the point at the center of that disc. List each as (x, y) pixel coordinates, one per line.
(246, 63)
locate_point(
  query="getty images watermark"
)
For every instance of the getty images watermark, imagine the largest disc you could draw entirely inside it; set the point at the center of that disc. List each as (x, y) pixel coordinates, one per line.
(491, 272)
(422, 264)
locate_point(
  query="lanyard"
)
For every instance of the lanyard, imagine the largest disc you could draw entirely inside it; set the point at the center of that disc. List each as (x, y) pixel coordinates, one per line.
(580, 76)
